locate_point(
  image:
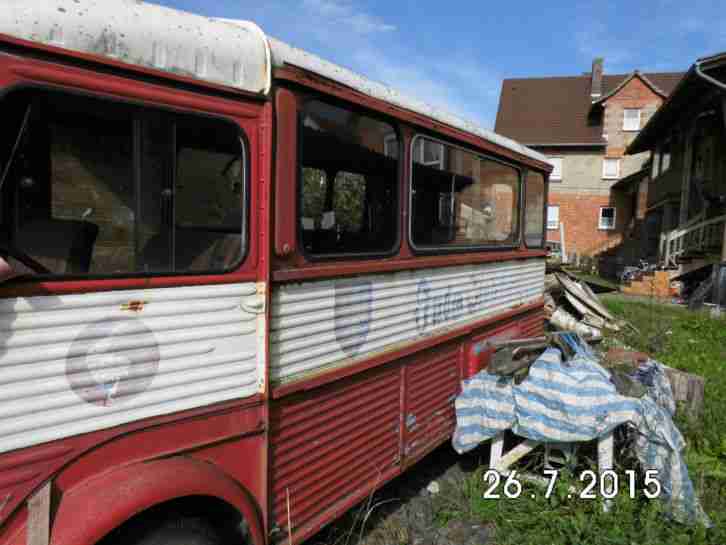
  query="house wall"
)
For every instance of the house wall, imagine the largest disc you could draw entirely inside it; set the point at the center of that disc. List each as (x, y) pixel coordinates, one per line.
(583, 190)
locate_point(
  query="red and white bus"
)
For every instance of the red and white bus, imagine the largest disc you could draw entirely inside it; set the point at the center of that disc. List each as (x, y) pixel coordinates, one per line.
(248, 282)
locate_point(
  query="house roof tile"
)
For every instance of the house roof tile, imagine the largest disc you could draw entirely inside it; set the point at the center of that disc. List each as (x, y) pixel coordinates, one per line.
(557, 110)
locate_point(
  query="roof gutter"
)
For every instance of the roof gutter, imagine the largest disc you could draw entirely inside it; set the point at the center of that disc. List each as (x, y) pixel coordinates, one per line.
(713, 81)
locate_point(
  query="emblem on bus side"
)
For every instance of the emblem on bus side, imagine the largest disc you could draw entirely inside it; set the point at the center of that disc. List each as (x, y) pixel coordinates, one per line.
(112, 361)
(352, 322)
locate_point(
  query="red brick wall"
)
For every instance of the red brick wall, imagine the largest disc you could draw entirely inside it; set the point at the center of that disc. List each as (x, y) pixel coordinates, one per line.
(580, 214)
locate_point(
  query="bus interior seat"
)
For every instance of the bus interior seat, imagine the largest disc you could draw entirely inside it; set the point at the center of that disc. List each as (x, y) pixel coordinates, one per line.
(63, 246)
(197, 248)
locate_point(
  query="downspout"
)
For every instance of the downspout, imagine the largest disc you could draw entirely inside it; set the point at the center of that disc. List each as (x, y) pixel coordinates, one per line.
(720, 283)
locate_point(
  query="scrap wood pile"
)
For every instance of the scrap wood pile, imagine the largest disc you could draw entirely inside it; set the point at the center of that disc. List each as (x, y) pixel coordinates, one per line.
(571, 305)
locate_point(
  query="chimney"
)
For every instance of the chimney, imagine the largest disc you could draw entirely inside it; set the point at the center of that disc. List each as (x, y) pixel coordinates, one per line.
(596, 78)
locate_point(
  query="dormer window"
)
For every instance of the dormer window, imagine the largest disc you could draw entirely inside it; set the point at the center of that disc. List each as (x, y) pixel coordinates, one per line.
(631, 119)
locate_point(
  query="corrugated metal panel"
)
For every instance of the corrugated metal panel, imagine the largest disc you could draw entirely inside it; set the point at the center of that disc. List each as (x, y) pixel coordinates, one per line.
(321, 324)
(532, 325)
(78, 363)
(431, 387)
(234, 53)
(331, 442)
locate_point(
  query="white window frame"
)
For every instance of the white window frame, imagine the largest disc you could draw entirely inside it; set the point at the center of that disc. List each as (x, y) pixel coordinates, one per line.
(632, 124)
(556, 176)
(605, 175)
(553, 225)
(602, 226)
(419, 151)
(388, 141)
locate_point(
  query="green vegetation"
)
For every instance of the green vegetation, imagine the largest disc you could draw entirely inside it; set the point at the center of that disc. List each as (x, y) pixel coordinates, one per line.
(692, 342)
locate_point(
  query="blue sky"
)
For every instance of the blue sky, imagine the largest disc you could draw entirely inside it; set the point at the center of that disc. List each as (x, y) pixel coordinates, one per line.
(455, 54)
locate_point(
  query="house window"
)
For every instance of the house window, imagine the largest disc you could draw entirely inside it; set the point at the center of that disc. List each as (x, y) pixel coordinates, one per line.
(390, 145)
(556, 174)
(610, 168)
(429, 153)
(607, 218)
(553, 217)
(631, 119)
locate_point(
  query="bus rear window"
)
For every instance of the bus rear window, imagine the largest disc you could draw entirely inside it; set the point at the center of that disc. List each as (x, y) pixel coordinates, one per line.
(349, 182)
(534, 194)
(460, 199)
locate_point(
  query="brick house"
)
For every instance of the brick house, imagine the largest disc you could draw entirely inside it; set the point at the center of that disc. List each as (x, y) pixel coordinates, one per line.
(584, 124)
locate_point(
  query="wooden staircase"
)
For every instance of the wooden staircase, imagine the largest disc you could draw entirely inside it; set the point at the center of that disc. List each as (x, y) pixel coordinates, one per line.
(694, 245)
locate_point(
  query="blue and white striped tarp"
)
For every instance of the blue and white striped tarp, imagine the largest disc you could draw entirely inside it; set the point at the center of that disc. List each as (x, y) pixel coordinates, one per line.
(575, 401)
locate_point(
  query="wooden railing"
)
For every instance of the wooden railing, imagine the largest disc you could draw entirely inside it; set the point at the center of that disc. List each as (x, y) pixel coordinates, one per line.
(698, 235)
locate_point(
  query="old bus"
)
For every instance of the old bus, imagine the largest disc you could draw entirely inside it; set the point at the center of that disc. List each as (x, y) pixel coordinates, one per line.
(242, 285)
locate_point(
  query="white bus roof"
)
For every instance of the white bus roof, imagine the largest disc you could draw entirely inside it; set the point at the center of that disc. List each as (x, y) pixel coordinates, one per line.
(229, 52)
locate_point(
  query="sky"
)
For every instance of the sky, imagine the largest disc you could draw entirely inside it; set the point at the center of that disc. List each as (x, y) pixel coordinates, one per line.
(454, 55)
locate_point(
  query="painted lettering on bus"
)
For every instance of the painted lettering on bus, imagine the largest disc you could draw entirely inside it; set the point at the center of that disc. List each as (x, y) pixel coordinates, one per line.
(433, 310)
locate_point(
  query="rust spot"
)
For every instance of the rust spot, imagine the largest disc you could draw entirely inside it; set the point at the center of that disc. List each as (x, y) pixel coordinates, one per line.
(134, 306)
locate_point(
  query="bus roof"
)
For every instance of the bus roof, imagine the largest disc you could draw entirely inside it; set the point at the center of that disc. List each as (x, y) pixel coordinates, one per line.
(232, 53)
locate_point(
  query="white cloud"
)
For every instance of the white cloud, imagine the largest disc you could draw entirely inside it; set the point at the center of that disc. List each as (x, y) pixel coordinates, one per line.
(347, 15)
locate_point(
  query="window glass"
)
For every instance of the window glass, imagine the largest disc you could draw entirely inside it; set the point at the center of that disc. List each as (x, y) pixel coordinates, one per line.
(610, 168)
(631, 119)
(553, 217)
(349, 182)
(607, 218)
(99, 188)
(556, 174)
(534, 206)
(461, 199)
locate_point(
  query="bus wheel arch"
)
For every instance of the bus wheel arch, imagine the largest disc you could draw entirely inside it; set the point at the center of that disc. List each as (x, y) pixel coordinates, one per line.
(93, 511)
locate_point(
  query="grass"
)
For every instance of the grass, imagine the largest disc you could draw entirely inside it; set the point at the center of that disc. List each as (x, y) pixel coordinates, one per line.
(689, 341)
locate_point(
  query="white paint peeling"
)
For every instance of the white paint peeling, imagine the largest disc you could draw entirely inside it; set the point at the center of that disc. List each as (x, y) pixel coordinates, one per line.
(145, 34)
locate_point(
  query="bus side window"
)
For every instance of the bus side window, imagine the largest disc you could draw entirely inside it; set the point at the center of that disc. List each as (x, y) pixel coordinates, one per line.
(98, 188)
(460, 199)
(349, 183)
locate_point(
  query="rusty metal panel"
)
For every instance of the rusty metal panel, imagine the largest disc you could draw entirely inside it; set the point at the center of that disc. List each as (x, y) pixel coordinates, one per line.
(233, 53)
(73, 364)
(331, 443)
(432, 385)
(317, 325)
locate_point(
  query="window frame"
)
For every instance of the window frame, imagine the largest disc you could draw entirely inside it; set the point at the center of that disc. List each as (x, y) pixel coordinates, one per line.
(372, 114)
(523, 219)
(453, 249)
(639, 119)
(617, 173)
(547, 219)
(562, 163)
(167, 110)
(600, 217)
